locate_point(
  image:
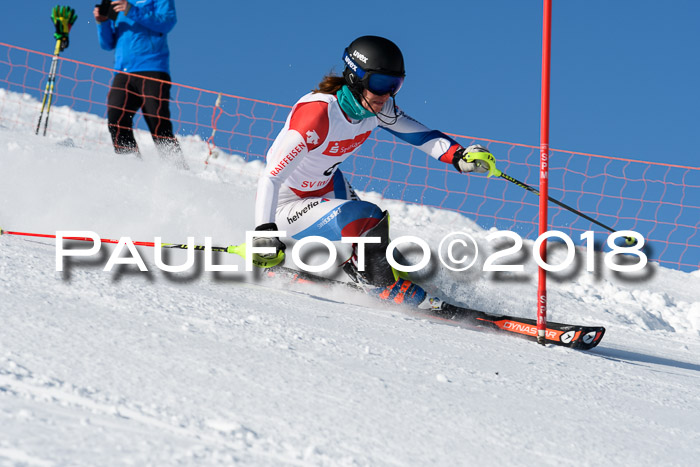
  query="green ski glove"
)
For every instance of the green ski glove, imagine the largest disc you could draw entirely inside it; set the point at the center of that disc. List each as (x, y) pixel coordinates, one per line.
(63, 18)
(475, 158)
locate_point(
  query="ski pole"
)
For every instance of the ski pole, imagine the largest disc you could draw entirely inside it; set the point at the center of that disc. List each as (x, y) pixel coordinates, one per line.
(484, 156)
(48, 90)
(239, 250)
(273, 266)
(628, 240)
(63, 18)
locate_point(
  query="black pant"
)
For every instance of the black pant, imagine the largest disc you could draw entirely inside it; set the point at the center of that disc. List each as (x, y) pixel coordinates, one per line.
(128, 94)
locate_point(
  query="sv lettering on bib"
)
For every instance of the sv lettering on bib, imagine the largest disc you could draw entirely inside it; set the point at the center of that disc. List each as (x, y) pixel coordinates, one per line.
(314, 184)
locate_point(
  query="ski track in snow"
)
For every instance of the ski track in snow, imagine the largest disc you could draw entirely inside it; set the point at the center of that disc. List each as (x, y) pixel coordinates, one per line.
(152, 368)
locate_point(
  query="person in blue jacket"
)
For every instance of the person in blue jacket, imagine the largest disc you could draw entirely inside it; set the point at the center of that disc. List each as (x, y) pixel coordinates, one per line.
(137, 32)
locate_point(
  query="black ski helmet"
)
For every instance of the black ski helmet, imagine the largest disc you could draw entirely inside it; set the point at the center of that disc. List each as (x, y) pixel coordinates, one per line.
(373, 55)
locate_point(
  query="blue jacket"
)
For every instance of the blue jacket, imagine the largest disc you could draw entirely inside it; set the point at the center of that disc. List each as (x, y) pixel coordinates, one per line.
(140, 38)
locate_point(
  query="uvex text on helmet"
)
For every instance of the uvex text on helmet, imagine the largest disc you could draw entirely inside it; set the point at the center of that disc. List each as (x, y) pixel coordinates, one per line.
(371, 54)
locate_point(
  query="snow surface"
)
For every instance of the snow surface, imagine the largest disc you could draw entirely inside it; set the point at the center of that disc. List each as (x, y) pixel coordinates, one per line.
(197, 368)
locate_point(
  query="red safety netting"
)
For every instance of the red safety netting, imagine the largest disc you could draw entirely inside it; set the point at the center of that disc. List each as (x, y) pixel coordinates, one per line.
(660, 201)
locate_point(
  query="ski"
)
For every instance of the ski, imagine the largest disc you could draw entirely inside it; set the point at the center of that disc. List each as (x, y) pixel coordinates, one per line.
(566, 335)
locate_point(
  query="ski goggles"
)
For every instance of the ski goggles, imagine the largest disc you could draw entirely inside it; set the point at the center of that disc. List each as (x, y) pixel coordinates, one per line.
(378, 83)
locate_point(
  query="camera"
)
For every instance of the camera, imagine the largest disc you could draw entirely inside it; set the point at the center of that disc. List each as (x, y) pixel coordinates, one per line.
(106, 9)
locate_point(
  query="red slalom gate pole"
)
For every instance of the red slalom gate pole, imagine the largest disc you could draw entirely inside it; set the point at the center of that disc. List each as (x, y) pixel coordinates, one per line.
(544, 170)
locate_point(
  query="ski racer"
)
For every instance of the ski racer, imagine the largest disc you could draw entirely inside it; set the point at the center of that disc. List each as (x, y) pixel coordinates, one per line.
(303, 192)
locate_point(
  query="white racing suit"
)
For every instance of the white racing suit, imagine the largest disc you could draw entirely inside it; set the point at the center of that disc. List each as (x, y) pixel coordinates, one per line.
(303, 191)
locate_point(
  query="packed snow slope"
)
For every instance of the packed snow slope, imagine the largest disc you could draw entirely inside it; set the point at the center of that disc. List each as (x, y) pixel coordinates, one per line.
(198, 368)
